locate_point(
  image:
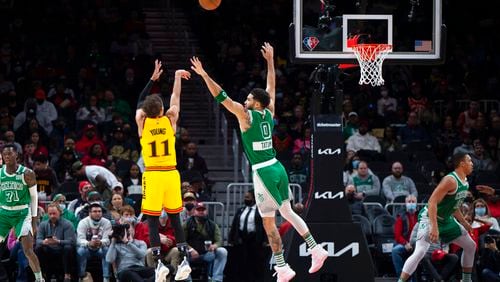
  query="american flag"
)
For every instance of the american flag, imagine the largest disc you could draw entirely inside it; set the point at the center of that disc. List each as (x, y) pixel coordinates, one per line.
(423, 45)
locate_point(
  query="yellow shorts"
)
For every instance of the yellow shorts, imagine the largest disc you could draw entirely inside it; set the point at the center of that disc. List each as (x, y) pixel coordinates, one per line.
(161, 190)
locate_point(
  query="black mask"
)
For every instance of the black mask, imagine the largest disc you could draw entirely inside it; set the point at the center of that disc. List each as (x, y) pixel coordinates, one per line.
(469, 199)
(249, 203)
(201, 218)
(350, 196)
(189, 206)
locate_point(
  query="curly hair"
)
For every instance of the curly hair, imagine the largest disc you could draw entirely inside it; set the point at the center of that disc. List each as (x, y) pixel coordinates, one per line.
(261, 95)
(152, 105)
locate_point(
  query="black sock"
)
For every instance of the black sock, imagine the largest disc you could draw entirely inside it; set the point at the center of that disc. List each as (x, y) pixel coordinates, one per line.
(175, 220)
(154, 234)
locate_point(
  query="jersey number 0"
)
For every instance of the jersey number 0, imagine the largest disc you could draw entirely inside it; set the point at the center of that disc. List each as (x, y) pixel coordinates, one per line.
(153, 148)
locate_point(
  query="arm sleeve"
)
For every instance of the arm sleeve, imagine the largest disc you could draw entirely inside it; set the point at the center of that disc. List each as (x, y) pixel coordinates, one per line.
(81, 240)
(398, 231)
(138, 248)
(111, 254)
(144, 93)
(376, 185)
(34, 201)
(40, 235)
(217, 236)
(69, 235)
(105, 234)
(387, 190)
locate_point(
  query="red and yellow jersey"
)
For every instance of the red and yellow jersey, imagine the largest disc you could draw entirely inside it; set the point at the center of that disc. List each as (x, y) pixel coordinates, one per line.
(158, 144)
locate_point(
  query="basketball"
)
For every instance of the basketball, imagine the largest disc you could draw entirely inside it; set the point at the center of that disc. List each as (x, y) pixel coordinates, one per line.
(209, 5)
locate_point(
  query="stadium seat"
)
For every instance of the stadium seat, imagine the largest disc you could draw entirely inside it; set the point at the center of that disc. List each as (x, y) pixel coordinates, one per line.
(373, 211)
(383, 240)
(366, 226)
(374, 199)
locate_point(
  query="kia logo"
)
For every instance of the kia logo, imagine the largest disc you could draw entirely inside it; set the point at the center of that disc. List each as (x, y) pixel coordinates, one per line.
(329, 151)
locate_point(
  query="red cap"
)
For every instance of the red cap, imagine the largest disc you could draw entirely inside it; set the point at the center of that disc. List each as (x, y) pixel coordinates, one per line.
(40, 94)
(438, 255)
(82, 184)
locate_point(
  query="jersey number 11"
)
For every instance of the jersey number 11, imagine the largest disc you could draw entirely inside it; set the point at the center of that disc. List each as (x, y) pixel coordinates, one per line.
(153, 148)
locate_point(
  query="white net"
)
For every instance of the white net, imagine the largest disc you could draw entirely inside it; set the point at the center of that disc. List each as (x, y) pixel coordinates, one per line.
(370, 58)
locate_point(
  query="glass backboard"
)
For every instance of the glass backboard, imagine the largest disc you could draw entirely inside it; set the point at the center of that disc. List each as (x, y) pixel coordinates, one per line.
(323, 31)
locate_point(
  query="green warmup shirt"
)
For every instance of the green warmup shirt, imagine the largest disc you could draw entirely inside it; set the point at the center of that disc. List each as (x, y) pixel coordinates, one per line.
(13, 190)
(257, 140)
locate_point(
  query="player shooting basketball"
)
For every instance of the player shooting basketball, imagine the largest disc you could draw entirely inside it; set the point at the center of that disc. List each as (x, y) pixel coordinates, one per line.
(269, 176)
(161, 185)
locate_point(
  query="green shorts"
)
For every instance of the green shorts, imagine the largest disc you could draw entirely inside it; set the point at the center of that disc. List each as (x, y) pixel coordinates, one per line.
(449, 228)
(271, 188)
(18, 219)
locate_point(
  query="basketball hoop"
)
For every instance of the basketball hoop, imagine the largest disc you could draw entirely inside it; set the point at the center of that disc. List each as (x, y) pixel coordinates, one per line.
(370, 58)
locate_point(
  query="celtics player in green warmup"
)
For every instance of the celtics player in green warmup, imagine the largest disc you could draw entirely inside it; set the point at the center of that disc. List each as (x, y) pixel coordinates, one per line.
(19, 205)
(270, 179)
(442, 219)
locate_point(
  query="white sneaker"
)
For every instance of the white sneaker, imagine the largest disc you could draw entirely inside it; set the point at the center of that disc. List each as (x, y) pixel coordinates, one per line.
(161, 272)
(183, 270)
(285, 273)
(318, 257)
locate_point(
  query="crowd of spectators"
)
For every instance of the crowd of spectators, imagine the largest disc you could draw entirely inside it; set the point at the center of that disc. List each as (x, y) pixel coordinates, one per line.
(66, 107)
(399, 138)
(70, 73)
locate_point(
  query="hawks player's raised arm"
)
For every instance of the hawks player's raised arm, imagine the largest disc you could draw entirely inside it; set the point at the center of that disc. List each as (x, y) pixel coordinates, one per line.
(175, 98)
(154, 77)
(30, 179)
(140, 115)
(218, 93)
(268, 54)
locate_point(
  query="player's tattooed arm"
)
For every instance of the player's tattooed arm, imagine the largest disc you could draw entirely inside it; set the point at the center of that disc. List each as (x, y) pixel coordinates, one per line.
(29, 177)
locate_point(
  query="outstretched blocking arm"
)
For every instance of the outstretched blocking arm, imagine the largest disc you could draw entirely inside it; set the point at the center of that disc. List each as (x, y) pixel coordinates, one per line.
(268, 54)
(175, 98)
(218, 93)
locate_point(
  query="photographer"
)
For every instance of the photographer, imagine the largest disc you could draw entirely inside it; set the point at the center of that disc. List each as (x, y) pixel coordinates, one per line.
(490, 260)
(128, 254)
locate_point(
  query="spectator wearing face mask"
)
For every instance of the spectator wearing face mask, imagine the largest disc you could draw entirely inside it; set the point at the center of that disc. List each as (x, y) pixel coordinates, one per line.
(248, 238)
(397, 184)
(189, 200)
(93, 240)
(405, 222)
(168, 252)
(480, 211)
(60, 200)
(204, 238)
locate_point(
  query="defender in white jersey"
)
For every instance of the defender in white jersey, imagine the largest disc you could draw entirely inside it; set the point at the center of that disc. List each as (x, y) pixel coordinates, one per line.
(270, 178)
